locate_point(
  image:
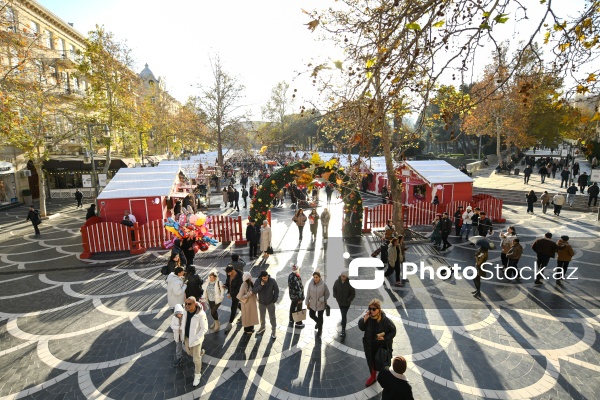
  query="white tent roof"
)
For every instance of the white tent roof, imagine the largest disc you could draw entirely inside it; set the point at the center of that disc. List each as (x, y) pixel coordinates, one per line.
(438, 171)
(141, 182)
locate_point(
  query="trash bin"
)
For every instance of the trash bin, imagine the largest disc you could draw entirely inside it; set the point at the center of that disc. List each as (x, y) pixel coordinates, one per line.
(517, 170)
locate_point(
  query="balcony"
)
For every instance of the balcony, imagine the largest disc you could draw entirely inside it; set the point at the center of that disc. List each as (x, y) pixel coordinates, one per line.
(68, 93)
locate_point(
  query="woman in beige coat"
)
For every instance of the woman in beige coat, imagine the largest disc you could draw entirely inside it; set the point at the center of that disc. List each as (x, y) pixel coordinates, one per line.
(265, 238)
(248, 302)
(300, 220)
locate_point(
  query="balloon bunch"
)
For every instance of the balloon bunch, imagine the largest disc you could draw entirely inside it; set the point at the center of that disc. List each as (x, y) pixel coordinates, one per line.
(191, 226)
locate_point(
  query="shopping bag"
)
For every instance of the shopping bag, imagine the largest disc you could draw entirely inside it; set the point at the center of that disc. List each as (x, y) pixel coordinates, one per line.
(299, 315)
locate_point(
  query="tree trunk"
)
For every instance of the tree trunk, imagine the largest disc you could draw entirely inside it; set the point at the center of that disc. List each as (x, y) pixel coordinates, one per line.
(498, 141)
(220, 161)
(42, 186)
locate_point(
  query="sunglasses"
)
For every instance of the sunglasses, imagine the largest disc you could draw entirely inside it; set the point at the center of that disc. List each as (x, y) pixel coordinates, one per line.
(188, 304)
(373, 309)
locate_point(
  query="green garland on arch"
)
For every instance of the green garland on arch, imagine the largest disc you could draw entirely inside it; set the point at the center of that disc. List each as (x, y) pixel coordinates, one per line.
(353, 207)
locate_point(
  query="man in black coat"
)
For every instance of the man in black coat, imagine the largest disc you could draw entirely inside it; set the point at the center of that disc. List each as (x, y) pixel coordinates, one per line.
(194, 283)
(394, 383)
(236, 199)
(34, 216)
(245, 196)
(253, 237)
(233, 284)
(79, 198)
(545, 249)
(485, 225)
(593, 191)
(564, 177)
(582, 182)
(446, 228)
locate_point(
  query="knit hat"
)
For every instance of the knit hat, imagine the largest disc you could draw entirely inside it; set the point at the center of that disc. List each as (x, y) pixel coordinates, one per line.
(399, 364)
(469, 208)
(178, 309)
(247, 275)
(214, 273)
(263, 273)
(564, 238)
(295, 268)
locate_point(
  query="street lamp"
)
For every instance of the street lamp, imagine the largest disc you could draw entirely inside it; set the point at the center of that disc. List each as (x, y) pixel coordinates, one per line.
(167, 142)
(142, 150)
(90, 155)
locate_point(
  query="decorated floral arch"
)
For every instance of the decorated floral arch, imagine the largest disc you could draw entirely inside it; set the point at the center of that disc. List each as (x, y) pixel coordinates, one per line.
(309, 173)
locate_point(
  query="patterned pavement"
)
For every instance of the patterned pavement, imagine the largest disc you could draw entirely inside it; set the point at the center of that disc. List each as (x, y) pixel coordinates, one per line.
(100, 329)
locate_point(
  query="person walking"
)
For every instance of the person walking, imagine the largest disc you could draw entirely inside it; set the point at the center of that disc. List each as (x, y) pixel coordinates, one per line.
(268, 292)
(344, 294)
(79, 198)
(300, 220)
(237, 262)
(194, 282)
(379, 331)
(187, 246)
(176, 287)
(514, 255)
(296, 293)
(91, 212)
(485, 225)
(458, 221)
(571, 192)
(329, 192)
(233, 285)
(481, 256)
(33, 215)
(395, 258)
(245, 196)
(253, 237)
(247, 298)
(543, 173)
(446, 228)
(313, 222)
(316, 300)
(531, 198)
(176, 324)
(389, 230)
(545, 199)
(236, 199)
(436, 235)
(564, 177)
(265, 238)
(395, 385)
(593, 192)
(225, 197)
(325, 218)
(213, 296)
(467, 222)
(194, 326)
(582, 182)
(564, 255)
(558, 200)
(545, 249)
(527, 174)
(575, 169)
(506, 243)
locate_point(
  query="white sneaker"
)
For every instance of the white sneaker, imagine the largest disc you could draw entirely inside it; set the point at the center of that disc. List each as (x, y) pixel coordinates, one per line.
(196, 379)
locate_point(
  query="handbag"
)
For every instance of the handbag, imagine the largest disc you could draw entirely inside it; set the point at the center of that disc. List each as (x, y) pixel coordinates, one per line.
(269, 250)
(327, 310)
(299, 315)
(241, 299)
(383, 357)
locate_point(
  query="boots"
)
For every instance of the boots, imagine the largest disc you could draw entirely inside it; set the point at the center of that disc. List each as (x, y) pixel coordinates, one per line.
(216, 326)
(372, 378)
(343, 334)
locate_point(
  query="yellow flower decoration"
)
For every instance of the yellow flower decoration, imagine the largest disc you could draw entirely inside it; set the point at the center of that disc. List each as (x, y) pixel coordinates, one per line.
(316, 159)
(260, 200)
(331, 163)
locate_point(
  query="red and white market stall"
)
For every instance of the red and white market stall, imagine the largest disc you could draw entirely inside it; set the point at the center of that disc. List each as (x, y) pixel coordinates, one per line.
(425, 179)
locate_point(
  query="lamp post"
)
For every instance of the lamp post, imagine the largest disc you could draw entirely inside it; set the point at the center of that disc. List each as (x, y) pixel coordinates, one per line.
(106, 130)
(167, 142)
(142, 150)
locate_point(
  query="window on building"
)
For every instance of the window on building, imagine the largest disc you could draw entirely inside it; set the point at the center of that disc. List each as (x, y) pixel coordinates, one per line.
(35, 28)
(48, 37)
(72, 52)
(10, 18)
(62, 48)
(153, 100)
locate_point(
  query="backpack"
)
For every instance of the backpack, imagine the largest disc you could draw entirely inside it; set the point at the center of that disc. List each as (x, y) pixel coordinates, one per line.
(165, 270)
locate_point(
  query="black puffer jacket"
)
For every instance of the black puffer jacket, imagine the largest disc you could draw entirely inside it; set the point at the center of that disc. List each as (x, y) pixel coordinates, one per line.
(371, 328)
(344, 293)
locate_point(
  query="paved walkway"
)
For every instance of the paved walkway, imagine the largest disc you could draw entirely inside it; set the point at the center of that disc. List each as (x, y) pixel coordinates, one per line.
(102, 331)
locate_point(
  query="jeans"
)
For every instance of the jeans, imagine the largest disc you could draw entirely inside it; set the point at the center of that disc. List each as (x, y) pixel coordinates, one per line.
(542, 262)
(253, 249)
(595, 198)
(300, 229)
(263, 308)
(543, 177)
(544, 207)
(529, 207)
(37, 230)
(570, 199)
(316, 316)
(562, 267)
(344, 311)
(325, 230)
(557, 209)
(466, 229)
(565, 181)
(213, 310)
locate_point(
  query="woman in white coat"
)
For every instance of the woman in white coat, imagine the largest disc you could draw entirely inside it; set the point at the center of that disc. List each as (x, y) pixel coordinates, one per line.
(176, 287)
(213, 296)
(265, 238)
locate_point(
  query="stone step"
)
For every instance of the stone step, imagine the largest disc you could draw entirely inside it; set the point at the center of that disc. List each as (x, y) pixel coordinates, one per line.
(517, 197)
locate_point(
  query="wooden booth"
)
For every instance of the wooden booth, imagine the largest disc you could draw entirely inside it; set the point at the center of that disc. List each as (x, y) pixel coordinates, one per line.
(425, 179)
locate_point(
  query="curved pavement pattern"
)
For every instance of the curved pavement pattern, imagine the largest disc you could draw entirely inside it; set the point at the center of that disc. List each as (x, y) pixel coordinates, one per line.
(102, 331)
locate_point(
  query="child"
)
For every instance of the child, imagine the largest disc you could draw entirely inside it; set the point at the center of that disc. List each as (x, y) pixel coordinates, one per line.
(177, 334)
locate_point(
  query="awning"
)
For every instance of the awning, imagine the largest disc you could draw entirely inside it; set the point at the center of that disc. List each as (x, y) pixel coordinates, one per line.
(74, 164)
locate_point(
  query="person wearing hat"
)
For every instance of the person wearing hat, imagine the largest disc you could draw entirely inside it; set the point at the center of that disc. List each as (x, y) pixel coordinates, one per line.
(467, 222)
(458, 220)
(446, 228)
(233, 284)
(213, 296)
(177, 333)
(343, 293)
(248, 301)
(564, 255)
(176, 250)
(268, 292)
(296, 293)
(316, 300)
(253, 237)
(394, 383)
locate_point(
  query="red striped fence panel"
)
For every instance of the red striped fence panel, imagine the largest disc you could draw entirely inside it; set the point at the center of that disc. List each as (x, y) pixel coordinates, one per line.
(376, 217)
(492, 208)
(153, 234)
(103, 237)
(452, 207)
(421, 213)
(227, 229)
